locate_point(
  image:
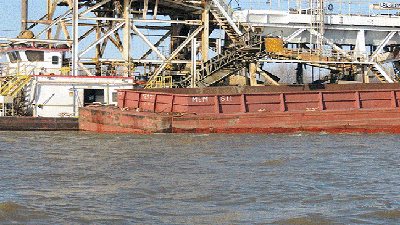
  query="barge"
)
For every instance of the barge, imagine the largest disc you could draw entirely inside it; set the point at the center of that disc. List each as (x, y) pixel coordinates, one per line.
(29, 123)
(75, 66)
(269, 109)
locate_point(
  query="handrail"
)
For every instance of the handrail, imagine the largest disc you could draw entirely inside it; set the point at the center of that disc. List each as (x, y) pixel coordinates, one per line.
(380, 68)
(225, 59)
(162, 81)
(231, 13)
(389, 71)
(31, 68)
(14, 85)
(340, 7)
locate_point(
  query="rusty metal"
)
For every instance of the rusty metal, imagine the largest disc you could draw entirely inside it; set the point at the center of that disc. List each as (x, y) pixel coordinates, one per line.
(38, 123)
(233, 103)
(251, 111)
(24, 15)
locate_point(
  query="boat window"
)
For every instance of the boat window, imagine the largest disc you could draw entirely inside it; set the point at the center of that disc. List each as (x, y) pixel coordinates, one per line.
(54, 60)
(114, 96)
(93, 95)
(35, 56)
(14, 56)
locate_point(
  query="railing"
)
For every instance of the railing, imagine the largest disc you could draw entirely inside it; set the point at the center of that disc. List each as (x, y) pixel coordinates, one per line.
(163, 82)
(388, 68)
(364, 8)
(232, 14)
(329, 55)
(34, 68)
(227, 59)
(28, 68)
(219, 61)
(115, 69)
(14, 84)
(3, 69)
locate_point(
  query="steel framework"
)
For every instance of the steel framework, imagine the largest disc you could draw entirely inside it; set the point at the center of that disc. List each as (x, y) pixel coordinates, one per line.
(169, 38)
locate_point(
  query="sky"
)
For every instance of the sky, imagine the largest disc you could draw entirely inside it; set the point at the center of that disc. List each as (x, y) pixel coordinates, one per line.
(10, 15)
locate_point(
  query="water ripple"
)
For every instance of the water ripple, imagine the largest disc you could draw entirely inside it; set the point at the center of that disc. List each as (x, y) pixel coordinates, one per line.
(301, 178)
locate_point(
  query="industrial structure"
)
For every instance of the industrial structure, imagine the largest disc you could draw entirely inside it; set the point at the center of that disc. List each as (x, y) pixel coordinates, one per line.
(190, 43)
(352, 40)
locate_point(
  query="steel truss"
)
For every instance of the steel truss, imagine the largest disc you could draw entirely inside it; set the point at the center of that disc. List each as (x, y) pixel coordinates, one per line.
(101, 34)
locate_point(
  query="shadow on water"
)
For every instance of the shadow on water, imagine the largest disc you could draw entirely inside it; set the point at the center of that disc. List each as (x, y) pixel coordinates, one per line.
(11, 212)
(308, 220)
(391, 216)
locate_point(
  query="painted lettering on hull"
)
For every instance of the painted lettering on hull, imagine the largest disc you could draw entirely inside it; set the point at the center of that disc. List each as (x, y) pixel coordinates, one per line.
(199, 99)
(147, 96)
(225, 98)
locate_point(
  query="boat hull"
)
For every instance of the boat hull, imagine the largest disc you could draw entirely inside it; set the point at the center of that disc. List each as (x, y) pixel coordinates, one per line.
(25, 123)
(341, 108)
(108, 119)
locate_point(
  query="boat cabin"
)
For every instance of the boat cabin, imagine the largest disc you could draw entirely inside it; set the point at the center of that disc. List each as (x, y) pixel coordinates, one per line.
(35, 61)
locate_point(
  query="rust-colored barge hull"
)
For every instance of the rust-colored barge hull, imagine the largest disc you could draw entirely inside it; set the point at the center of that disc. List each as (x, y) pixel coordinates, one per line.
(21, 123)
(330, 108)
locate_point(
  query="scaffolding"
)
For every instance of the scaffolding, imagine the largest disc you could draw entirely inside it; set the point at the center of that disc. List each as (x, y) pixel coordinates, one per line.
(202, 43)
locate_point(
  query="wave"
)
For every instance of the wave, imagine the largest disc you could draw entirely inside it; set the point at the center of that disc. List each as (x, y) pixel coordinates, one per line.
(275, 162)
(309, 220)
(385, 214)
(9, 207)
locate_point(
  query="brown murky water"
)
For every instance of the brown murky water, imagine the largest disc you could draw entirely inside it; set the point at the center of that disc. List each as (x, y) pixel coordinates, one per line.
(85, 178)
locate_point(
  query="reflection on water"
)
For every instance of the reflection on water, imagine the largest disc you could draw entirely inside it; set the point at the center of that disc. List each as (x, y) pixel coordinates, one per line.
(78, 178)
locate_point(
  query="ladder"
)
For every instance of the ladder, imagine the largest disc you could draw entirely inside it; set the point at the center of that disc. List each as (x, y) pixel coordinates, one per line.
(381, 69)
(317, 22)
(227, 63)
(226, 18)
(11, 85)
(230, 60)
(234, 30)
(384, 74)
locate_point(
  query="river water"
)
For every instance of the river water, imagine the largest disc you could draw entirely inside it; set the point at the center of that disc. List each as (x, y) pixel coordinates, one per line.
(301, 178)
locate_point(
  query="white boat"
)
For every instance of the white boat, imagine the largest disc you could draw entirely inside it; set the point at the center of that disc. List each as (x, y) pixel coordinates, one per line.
(38, 82)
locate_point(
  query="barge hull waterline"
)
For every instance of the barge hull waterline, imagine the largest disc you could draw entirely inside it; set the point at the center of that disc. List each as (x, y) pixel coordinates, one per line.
(22, 123)
(363, 121)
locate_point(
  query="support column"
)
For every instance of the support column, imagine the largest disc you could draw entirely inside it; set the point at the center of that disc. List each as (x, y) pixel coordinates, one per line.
(49, 17)
(252, 74)
(205, 18)
(98, 49)
(127, 38)
(193, 66)
(219, 46)
(173, 40)
(299, 73)
(75, 37)
(24, 15)
(98, 36)
(365, 73)
(360, 51)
